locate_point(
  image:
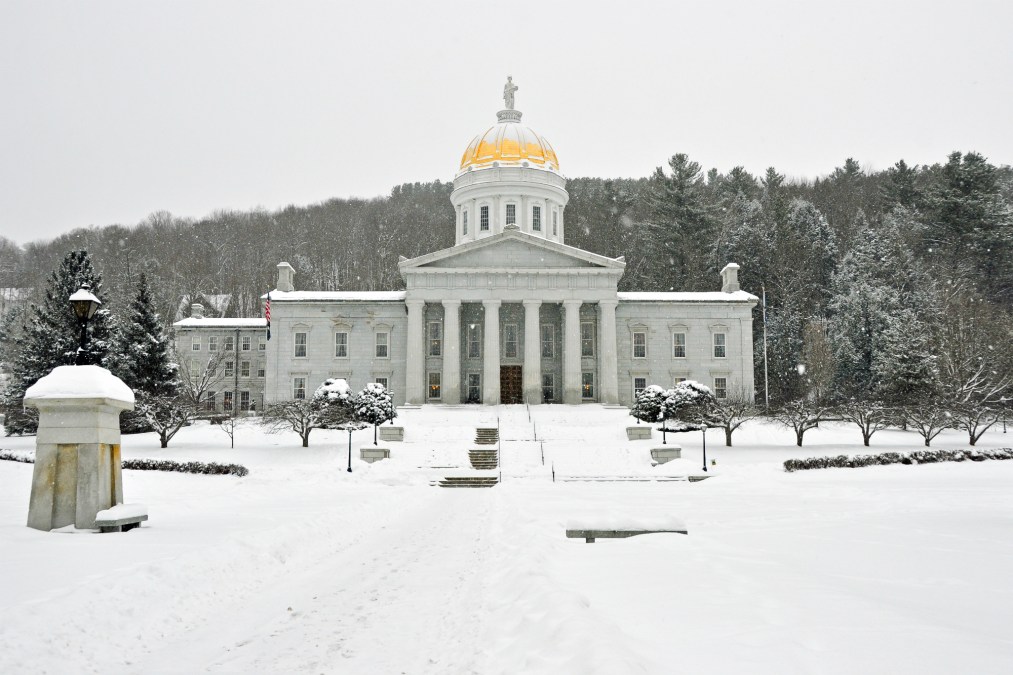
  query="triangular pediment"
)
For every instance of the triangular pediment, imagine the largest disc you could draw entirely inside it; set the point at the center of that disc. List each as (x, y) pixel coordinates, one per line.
(511, 250)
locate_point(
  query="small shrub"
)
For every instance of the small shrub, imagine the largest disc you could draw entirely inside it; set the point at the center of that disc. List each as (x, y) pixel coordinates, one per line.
(205, 468)
(884, 458)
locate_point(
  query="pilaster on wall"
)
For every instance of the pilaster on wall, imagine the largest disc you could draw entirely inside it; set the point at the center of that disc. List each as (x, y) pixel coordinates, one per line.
(607, 358)
(416, 361)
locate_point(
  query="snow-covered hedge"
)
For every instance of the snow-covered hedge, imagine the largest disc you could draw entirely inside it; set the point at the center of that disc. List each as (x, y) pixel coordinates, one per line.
(883, 458)
(206, 468)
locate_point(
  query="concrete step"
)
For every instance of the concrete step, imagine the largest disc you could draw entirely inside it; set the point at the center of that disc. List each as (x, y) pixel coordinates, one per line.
(484, 459)
(468, 482)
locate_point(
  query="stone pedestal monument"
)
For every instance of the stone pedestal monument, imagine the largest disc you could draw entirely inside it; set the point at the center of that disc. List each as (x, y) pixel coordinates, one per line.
(77, 452)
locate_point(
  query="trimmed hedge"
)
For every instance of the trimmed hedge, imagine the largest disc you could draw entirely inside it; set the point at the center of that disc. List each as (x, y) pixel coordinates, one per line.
(206, 468)
(884, 458)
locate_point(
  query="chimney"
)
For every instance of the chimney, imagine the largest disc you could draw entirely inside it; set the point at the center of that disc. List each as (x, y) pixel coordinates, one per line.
(730, 278)
(197, 311)
(286, 275)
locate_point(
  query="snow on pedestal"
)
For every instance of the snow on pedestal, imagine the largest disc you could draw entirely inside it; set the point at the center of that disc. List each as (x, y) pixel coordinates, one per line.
(77, 450)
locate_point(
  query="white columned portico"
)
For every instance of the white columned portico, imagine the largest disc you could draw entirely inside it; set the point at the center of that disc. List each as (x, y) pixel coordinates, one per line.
(532, 354)
(452, 351)
(416, 359)
(607, 356)
(571, 351)
(490, 360)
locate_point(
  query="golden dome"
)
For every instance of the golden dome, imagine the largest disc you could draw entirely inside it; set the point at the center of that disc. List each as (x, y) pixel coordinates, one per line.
(509, 143)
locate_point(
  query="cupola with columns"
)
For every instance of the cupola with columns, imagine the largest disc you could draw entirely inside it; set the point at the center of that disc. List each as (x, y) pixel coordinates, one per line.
(509, 178)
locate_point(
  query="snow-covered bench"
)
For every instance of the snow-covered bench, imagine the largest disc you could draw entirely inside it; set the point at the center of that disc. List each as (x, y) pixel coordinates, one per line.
(612, 528)
(121, 518)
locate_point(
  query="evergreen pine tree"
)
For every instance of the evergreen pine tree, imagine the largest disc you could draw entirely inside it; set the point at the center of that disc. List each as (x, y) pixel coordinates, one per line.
(51, 338)
(142, 359)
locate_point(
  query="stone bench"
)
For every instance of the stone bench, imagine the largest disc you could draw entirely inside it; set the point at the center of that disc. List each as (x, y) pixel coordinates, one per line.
(590, 535)
(641, 432)
(666, 453)
(121, 518)
(597, 527)
(389, 433)
(374, 454)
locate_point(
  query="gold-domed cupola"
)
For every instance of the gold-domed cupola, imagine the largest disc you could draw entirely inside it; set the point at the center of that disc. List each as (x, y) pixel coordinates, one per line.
(509, 177)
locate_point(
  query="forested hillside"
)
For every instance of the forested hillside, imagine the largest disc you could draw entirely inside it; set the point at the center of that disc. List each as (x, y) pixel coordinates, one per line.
(860, 268)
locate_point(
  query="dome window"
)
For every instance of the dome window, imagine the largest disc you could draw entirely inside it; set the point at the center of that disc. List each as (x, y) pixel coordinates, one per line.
(483, 219)
(555, 224)
(536, 218)
(511, 214)
(464, 223)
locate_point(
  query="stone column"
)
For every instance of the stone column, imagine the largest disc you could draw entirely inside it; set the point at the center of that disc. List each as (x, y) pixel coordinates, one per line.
(452, 351)
(532, 352)
(490, 355)
(415, 386)
(571, 351)
(608, 362)
(77, 450)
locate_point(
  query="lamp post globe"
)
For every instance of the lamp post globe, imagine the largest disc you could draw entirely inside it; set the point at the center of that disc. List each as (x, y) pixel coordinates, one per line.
(85, 304)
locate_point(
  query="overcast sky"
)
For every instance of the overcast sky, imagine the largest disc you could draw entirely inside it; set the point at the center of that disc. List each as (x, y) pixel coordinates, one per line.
(112, 110)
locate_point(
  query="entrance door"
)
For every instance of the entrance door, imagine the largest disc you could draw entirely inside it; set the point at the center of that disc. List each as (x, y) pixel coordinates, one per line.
(511, 387)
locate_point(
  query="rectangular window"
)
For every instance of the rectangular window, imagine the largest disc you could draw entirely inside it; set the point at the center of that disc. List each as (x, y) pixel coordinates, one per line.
(464, 223)
(244, 400)
(536, 218)
(381, 345)
(639, 384)
(230, 344)
(435, 338)
(230, 368)
(719, 345)
(261, 344)
(474, 388)
(300, 345)
(555, 223)
(548, 387)
(587, 339)
(680, 379)
(209, 401)
(474, 341)
(299, 388)
(195, 343)
(511, 214)
(341, 345)
(720, 387)
(227, 400)
(382, 381)
(434, 385)
(510, 341)
(587, 385)
(247, 343)
(679, 345)
(640, 345)
(548, 341)
(195, 370)
(244, 369)
(212, 343)
(483, 218)
(261, 370)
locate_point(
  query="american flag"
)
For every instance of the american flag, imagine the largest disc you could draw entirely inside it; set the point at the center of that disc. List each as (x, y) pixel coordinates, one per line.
(267, 315)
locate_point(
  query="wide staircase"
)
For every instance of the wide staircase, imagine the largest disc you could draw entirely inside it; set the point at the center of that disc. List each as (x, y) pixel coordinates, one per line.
(486, 436)
(482, 459)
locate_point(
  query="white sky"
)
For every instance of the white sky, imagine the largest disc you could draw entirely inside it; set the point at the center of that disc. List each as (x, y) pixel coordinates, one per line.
(110, 111)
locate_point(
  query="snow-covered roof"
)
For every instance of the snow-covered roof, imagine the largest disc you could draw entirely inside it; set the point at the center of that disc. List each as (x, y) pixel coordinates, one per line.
(221, 323)
(704, 296)
(214, 303)
(346, 296)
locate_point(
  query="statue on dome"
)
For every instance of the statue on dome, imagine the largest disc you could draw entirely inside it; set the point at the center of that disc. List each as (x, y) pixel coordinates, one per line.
(508, 92)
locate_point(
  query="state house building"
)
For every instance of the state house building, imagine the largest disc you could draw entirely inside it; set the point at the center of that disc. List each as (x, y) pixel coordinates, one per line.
(509, 314)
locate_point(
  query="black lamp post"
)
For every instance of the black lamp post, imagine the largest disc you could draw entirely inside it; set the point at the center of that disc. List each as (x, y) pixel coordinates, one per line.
(85, 305)
(704, 432)
(350, 427)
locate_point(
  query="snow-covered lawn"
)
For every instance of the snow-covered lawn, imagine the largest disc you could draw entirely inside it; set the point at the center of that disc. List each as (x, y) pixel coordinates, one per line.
(303, 567)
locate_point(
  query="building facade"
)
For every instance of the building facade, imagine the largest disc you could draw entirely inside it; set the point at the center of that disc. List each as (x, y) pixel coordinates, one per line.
(509, 314)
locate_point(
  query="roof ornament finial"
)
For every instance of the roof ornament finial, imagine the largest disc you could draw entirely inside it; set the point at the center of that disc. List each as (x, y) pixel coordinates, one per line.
(508, 93)
(509, 114)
